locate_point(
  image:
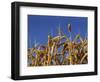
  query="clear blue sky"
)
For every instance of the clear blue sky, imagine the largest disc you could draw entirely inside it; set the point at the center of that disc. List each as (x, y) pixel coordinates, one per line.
(40, 26)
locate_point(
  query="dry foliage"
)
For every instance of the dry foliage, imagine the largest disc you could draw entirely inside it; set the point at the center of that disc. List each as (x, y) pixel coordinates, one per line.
(60, 50)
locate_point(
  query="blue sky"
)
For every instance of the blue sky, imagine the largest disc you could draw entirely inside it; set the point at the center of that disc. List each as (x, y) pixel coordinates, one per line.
(40, 26)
